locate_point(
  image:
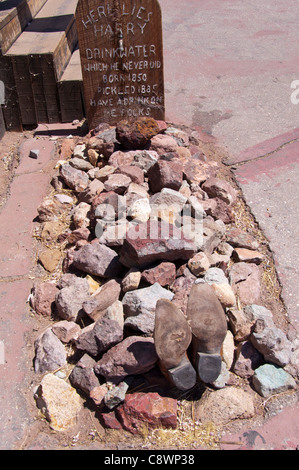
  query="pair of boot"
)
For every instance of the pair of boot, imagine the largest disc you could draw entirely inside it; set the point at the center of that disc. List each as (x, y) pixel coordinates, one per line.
(190, 346)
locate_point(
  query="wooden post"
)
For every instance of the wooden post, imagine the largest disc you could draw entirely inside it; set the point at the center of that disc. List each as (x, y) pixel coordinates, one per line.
(121, 51)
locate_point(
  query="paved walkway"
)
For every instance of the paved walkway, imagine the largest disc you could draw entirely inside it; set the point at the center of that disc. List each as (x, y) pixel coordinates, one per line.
(229, 66)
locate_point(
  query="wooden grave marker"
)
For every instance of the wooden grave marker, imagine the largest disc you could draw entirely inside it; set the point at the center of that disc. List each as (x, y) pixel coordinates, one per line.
(121, 52)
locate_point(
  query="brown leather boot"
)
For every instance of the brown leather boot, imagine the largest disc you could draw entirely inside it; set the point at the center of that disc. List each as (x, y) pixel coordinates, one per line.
(172, 336)
(208, 324)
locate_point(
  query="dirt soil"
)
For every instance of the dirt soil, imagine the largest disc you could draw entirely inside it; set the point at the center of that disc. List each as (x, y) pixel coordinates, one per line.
(89, 434)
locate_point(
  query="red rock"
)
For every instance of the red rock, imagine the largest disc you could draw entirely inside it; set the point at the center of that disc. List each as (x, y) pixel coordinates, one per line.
(218, 209)
(163, 144)
(216, 187)
(165, 174)
(245, 281)
(98, 260)
(251, 256)
(197, 171)
(153, 241)
(134, 355)
(136, 134)
(147, 408)
(247, 360)
(117, 183)
(43, 298)
(110, 421)
(73, 178)
(238, 238)
(96, 306)
(164, 274)
(136, 174)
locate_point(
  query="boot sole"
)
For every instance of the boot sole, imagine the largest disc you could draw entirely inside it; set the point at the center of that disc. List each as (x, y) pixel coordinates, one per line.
(183, 376)
(208, 366)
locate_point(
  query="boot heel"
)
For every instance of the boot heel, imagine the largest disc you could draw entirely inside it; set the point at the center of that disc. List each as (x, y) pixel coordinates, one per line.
(208, 366)
(183, 376)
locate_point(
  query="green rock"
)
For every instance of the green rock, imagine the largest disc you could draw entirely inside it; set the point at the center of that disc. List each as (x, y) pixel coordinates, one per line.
(270, 379)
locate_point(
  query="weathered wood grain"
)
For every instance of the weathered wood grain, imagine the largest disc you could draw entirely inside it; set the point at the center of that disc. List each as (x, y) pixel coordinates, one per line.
(121, 52)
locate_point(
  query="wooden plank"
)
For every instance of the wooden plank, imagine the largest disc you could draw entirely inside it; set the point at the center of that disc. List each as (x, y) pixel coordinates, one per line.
(121, 51)
(22, 75)
(10, 108)
(70, 91)
(14, 17)
(48, 43)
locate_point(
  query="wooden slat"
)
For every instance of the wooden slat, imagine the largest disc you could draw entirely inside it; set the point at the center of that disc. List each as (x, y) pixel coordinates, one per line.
(70, 90)
(47, 43)
(14, 17)
(11, 110)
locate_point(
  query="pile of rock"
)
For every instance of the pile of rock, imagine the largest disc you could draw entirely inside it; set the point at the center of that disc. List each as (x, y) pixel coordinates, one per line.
(149, 216)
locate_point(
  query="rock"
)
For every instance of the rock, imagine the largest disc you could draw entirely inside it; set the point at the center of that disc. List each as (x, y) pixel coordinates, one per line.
(155, 241)
(96, 306)
(215, 276)
(86, 341)
(168, 200)
(49, 353)
(83, 377)
(197, 171)
(223, 377)
(51, 230)
(140, 211)
(107, 333)
(135, 173)
(97, 394)
(93, 156)
(165, 174)
(228, 349)
(247, 360)
(249, 256)
(79, 151)
(103, 173)
(66, 331)
(215, 187)
(117, 393)
(50, 209)
(50, 259)
(225, 294)
(240, 239)
(80, 164)
(70, 299)
(117, 182)
(225, 405)
(134, 355)
(219, 209)
(145, 159)
(140, 305)
(78, 234)
(258, 312)
(271, 342)
(148, 409)
(245, 281)
(64, 198)
(131, 280)
(181, 288)
(162, 143)
(199, 264)
(270, 379)
(163, 274)
(34, 153)
(81, 215)
(136, 134)
(59, 402)
(73, 178)
(94, 188)
(43, 298)
(239, 323)
(97, 260)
